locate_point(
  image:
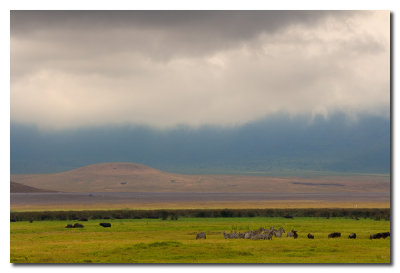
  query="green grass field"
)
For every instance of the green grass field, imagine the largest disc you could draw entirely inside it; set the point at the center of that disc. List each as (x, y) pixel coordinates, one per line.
(158, 241)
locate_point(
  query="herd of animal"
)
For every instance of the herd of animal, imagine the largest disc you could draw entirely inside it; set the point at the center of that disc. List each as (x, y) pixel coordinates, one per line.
(267, 234)
(260, 234)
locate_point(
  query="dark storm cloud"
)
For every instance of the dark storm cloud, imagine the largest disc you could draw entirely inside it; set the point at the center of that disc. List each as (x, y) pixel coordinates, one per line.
(160, 34)
(228, 24)
(195, 67)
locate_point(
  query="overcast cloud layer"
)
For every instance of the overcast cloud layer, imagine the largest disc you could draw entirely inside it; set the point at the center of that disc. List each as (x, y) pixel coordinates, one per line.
(163, 68)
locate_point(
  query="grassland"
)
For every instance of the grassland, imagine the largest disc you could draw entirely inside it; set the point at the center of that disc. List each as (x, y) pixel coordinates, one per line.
(158, 241)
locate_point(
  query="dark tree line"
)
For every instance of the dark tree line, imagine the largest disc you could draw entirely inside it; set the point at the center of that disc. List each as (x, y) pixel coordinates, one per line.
(165, 214)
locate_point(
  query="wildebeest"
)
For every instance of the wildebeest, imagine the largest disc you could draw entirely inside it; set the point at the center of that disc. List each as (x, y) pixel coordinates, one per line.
(292, 233)
(77, 225)
(69, 226)
(375, 236)
(201, 235)
(105, 225)
(310, 236)
(352, 236)
(334, 235)
(379, 235)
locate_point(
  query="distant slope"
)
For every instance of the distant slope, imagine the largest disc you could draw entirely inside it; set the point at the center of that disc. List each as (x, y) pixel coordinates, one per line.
(20, 188)
(130, 177)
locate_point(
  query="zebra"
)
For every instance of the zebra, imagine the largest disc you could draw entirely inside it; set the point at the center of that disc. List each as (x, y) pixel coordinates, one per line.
(292, 233)
(247, 235)
(201, 235)
(226, 235)
(278, 233)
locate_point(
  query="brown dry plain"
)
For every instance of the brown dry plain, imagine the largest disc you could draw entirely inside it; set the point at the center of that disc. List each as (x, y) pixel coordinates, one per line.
(129, 177)
(199, 205)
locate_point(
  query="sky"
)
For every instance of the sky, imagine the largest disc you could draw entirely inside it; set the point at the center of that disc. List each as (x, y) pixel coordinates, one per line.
(79, 69)
(246, 92)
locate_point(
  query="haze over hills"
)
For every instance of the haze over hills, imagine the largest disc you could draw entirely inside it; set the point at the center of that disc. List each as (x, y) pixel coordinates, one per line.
(272, 146)
(130, 177)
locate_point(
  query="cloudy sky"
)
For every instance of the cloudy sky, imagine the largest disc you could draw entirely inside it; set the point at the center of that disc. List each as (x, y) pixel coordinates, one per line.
(74, 69)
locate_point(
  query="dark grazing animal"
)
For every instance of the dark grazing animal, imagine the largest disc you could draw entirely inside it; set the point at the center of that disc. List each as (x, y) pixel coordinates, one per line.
(77, 225)
(69, 226)
(310, 236)
(105, 225)
(334, 235)
(352, 236)
(292, 233)
(375, 236)
(201, 235)
(83, 219)
(288, 216)
(379, 235)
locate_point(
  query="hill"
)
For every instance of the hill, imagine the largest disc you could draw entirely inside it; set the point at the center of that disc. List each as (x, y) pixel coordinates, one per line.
(20, 188)
(130, 177)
